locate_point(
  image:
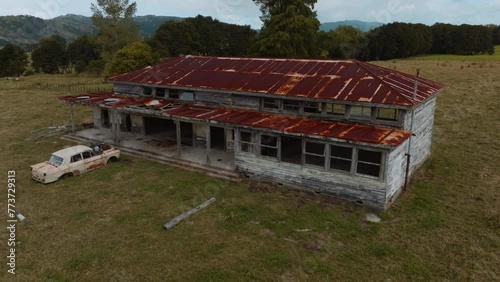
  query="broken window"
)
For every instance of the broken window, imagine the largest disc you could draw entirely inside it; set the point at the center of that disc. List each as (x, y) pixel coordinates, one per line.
(270, 104)
(160, 92)
(291, 150)
(369, 163)
(335, 109)
(291, 106)
(315, 154)
(361, 111)
(312, 108)
(340, 158)
(147, 91)
(269, 146)
(387, 114)
(246, 142)
(174, 94)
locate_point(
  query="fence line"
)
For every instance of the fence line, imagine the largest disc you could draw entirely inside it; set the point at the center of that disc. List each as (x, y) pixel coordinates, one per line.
(67, 87)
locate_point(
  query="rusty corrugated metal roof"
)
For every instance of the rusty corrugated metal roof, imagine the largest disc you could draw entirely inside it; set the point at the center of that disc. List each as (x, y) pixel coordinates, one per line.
(245, 118)
(342, 80)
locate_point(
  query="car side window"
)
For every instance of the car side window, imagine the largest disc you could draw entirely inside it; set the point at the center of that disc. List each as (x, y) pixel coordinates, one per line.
(87, 154)
(76, 158)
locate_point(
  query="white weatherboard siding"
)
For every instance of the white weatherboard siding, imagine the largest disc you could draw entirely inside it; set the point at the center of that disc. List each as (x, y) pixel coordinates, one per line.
(369, 192)
(423, 122)
(129, 89)
(395, 171)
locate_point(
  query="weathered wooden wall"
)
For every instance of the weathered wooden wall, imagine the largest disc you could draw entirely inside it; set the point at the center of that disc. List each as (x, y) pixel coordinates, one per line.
(137, 125)
(367, 191)
(213, 98)
(122, 88)
(96, 114)
(423, 122)
(396, 171)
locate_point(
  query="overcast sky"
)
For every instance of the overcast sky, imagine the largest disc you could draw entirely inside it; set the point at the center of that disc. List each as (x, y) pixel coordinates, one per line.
(245, 12)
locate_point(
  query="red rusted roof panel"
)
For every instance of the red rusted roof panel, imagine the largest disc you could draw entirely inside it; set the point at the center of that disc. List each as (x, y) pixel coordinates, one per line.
(297, 125)
(345, 80)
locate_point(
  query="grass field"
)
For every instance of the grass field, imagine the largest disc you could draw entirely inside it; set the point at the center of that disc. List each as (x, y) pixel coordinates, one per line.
(107, 225)
(480, 58)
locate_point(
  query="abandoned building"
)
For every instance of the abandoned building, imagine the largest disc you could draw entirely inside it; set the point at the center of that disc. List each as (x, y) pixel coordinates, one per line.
(344, 128)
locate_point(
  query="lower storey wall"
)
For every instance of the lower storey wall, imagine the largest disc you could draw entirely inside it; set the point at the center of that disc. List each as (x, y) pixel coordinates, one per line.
(369, 192)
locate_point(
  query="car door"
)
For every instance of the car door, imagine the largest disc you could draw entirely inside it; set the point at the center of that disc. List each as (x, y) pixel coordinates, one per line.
(92, 160)
(76, 165)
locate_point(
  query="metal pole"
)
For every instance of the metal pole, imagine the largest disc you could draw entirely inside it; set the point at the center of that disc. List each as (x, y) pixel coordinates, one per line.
(72, 117)
(185, 215)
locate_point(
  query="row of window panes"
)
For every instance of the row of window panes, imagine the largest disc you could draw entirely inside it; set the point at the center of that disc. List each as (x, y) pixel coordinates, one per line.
(341, 157)
(168, 93)
(339, 110)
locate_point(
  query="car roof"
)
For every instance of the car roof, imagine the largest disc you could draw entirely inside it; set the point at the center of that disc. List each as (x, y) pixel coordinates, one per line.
(71, 151)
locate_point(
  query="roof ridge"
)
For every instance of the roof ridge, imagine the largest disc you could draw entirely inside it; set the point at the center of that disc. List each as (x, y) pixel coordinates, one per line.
(362, 64)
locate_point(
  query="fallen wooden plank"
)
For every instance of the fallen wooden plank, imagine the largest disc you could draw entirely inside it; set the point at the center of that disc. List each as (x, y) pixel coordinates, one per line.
(185, 215)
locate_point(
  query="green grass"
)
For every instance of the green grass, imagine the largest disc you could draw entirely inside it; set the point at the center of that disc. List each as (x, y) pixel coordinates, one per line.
(471, 58)
(107, 224)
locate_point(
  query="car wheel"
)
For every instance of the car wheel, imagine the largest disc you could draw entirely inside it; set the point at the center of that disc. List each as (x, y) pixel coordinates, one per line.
(112, 160)
(64, 176)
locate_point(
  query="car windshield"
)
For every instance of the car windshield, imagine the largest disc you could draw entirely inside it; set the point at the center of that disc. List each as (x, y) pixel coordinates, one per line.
(55, 160)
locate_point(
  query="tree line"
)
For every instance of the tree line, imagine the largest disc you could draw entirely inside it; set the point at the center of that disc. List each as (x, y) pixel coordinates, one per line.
(290, 29)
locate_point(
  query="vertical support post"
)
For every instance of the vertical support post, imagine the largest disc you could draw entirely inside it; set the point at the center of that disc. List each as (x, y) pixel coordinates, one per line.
(178, 137)
(236, 144)
(118, 120)
(208, 141)
(72, 110)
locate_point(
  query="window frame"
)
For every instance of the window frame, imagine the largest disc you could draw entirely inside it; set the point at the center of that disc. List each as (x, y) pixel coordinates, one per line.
(364, 117)
(396, 115)
(381, 165)
(351, 160)
(165, 92)
(251, 143)
(306, 105)
(277, 147)
(305, 153)
(277, 102)
(284, 104)
(147, 91)
(330, 110)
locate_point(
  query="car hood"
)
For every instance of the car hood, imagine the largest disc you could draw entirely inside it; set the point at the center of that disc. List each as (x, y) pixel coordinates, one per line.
(44, 167)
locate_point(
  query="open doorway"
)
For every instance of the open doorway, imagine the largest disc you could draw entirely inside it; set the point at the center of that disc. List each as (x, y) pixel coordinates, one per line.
(126, 125)
(105, 118)
(158, 128)
(217, 138)
(186, 133)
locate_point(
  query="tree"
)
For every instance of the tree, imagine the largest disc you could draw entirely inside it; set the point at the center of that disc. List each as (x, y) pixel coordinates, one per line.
(49, 56)
(131, 57)
(290, 29)
(340, 43)
(82, 51)
(202, 36)
(114, 18)
(496, 35)
(13, 60)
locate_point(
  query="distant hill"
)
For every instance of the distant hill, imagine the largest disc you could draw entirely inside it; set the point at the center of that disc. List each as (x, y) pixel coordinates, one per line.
(363, 26)
(28, 30)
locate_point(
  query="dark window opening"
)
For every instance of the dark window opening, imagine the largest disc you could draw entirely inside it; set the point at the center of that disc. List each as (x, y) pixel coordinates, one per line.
(270, 104)
(335, 109)
(160, 92)
(76, 158)
(340, 158)
(291, 106)
(291, 150)
(87, 154)
(315, 154)
(147, 91)
(269, 146)
(369, 163)
(312, 108)
(387, 114)
(174, 94)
